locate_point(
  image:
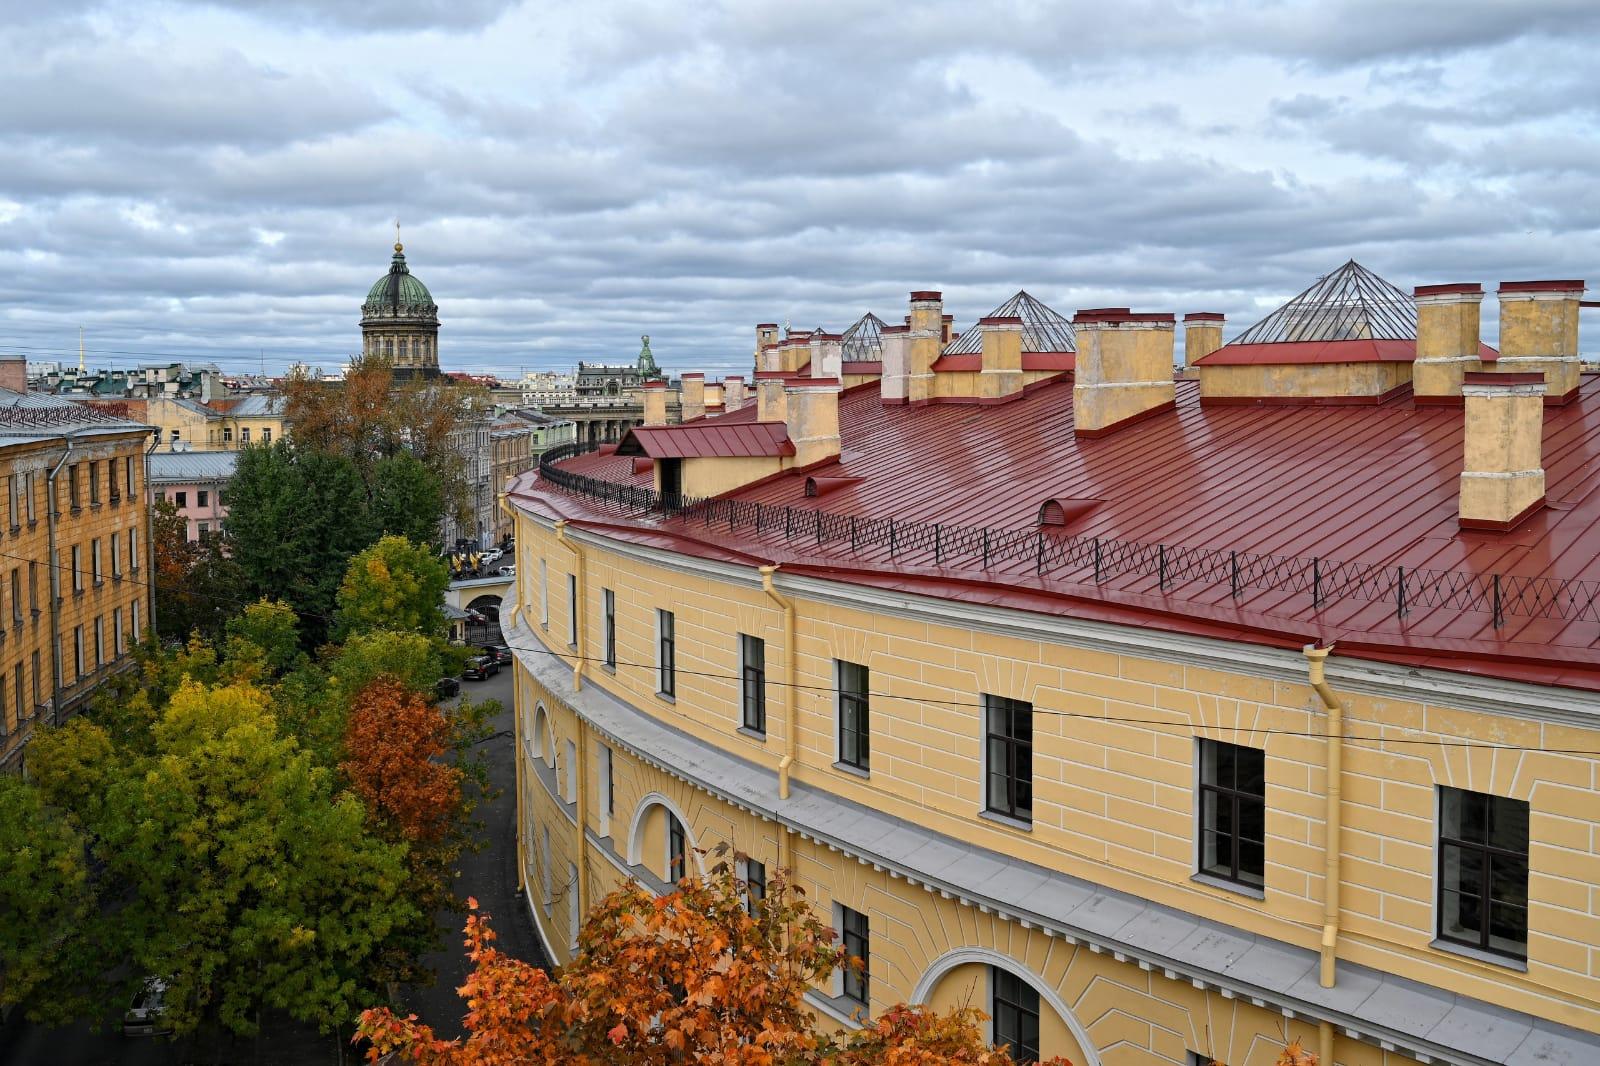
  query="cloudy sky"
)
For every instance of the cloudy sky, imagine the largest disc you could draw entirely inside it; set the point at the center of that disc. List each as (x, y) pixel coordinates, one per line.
(219, 179)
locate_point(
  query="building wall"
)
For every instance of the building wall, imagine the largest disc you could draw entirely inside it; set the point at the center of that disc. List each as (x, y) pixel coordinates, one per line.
(1114, 802)
(26, 618)
(186, 496)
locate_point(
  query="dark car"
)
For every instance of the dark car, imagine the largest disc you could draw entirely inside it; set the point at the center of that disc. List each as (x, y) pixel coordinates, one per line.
(480, 668)
(501, 653)
(448, 687)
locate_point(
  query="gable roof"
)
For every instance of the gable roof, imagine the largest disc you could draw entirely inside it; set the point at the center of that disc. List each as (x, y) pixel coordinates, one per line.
(708, 439)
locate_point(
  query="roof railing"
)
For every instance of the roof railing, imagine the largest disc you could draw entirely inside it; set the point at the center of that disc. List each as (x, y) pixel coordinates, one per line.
(1168, 569)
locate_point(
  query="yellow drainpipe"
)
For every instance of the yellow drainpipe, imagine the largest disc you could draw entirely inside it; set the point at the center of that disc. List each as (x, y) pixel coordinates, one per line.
(1325, 1043)
(791, 703)
(583, 813)
(516, 763)
(583, 602)
(1333, 846)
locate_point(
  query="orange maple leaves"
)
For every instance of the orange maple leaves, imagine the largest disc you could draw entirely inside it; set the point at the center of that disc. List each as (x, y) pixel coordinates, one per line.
(393, 741)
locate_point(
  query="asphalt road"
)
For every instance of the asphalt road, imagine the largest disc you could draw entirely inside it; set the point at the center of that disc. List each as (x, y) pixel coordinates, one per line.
(488, 874)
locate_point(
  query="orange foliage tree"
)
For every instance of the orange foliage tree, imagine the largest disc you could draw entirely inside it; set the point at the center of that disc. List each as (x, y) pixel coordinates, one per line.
(393, 744)
(694, 976)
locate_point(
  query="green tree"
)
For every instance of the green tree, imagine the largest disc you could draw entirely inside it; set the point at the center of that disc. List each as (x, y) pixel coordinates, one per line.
(396, 585)
(416, 661)
(46, 961)
(263, 503)
(407, 498)
(266, 632)
(252, 884)
(197, 585)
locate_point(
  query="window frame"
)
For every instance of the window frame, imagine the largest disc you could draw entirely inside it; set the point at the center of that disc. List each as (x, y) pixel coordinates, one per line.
(855, 937)
(544, 594)
(677, 840)
(76, 556)
(752, 684)
(666, 654)
(1236, 800)
(572, 611)
(850, 704)
(1006, 1002)
(1487, 853)
(1016, 751)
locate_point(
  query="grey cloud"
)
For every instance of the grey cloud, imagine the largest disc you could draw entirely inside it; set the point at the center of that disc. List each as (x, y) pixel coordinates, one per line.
(372, 16)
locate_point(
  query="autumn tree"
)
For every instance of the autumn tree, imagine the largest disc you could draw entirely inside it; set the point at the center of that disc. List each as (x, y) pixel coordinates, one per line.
(197, 585)
(395, 585)
(690, 977)
(395, 742)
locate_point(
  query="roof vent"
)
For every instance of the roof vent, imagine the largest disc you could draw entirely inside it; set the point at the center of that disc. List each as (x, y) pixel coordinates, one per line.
(821, 486)
(1065, 510)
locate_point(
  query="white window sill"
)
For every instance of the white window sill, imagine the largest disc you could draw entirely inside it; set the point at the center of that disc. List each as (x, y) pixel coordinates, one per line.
(1490, 957)
(1248, 891)
(844, 767)
(1006, 820)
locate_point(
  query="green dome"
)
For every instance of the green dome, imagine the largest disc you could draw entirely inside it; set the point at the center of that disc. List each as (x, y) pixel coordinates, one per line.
(399, 291)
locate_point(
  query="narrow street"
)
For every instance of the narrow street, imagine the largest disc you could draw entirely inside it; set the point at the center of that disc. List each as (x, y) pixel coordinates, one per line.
(488, 874)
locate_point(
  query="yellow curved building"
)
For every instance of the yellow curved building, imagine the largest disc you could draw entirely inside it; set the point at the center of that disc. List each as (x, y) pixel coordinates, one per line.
(1162, 725)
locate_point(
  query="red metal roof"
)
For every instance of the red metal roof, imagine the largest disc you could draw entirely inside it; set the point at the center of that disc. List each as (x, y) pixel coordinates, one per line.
(863, 366)
(1266, 480)
(1030, 361)
(702, 439)
(1301, 353)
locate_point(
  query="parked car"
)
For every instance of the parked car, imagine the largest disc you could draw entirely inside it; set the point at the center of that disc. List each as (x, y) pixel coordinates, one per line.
(502, 654)
(509, 570)
(491, 555)
(480, 668)
(476, 618)
(147, 1014)
(448, 687)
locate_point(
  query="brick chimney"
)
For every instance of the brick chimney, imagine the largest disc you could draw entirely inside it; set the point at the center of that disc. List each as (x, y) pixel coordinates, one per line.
(14, 374)
(766, 335)
(655, 403)
(1124, 368)
(1539, 332)
(827, 355)
(693, 402)
(1001, 378)
(893, 382)
(925, 337)
(813, 417)
(772, 403)
(1202, 335)
(733, 392)
(1447, 340)
(1502, 474)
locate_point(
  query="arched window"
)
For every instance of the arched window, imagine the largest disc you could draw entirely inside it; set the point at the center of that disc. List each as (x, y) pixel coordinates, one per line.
(543, 747)
(660, 841)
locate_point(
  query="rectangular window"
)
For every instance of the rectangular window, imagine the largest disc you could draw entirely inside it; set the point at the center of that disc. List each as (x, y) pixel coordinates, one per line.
(133, 556)
(755, 884)
(203, 498)
(38, 681)
(99, 640)
(116, 632)
(1008, 749)
(244, 435)
(227, 434)
(205, 529)
(77, 652)
(677, 850)
(33, 588)
(857, 945)
(546, 874)
(94, 481)
(753, 683)
(666, 654)
(77, 568)
(72, 485)
(16, 596)
(111, 480)
(27, 487)
(1014, 1008)
(1233, 812)
(544, 594)
(136, 633)
(608, 786)
(127, 476)
(116, 556)
(1483, 871)
(572, 610)
(572, 772)
(855, 745)
(13, 513)
(16, 690)
(94, 561)
(609, 601)
(266, 434)
(574, 916)
(182, 499)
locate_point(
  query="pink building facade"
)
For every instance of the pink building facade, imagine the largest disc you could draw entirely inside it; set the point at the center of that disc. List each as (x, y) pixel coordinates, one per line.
(196, 483)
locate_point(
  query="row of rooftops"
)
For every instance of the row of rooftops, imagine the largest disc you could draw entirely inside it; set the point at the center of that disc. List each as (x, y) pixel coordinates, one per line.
(1259, 481)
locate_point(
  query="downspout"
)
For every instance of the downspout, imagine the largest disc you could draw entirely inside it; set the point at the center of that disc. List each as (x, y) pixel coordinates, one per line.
(791, 742)
(583, 599)
(582, 852)
(50, 513)
(149, 539)
(516, 764)
(1316, 659)
(1325, 1043)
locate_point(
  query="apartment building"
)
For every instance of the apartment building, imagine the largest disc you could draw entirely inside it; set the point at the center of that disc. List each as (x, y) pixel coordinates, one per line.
(196, 484)
(74, 483)
(1166, 718)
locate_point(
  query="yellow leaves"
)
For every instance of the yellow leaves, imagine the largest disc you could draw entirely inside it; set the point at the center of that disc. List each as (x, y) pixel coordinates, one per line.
(1296, 1055)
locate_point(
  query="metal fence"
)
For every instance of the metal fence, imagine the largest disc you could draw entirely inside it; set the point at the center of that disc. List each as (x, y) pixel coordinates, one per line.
(1165, 567)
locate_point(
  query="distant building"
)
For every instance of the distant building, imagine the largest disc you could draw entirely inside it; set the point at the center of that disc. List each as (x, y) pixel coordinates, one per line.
(519, 437)
(400, 321)
(70, 625)
(195, 483)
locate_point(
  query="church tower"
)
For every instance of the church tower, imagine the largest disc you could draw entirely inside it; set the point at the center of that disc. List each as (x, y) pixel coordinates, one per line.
(400, 321)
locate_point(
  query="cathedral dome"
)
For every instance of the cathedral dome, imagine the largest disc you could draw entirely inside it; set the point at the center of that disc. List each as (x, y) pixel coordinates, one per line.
(399, 292)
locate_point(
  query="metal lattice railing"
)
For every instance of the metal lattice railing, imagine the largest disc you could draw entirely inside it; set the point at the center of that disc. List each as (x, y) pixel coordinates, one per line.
(1164, 567)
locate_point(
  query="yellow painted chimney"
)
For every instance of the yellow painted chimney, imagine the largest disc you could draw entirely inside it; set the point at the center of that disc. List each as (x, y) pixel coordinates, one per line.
(1202, 335)
(693, 402)
(766, 335)
(1124, 368)
(794, 351)
(733, 392)
(1001, 378)
(1448, 340)
(772, 403)
(827, 355)
(1502, 473)
(813, 417)
(655, 403)
(1539, 332)
(892, 387)
(924, 339)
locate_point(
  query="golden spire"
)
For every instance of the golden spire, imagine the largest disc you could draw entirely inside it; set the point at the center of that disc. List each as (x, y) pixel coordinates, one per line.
(398, 247)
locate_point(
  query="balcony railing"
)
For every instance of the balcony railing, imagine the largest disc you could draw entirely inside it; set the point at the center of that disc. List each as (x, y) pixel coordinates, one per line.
(1099, 559)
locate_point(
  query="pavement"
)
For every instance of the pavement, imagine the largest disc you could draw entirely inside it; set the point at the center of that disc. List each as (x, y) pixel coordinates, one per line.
(489, 875)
